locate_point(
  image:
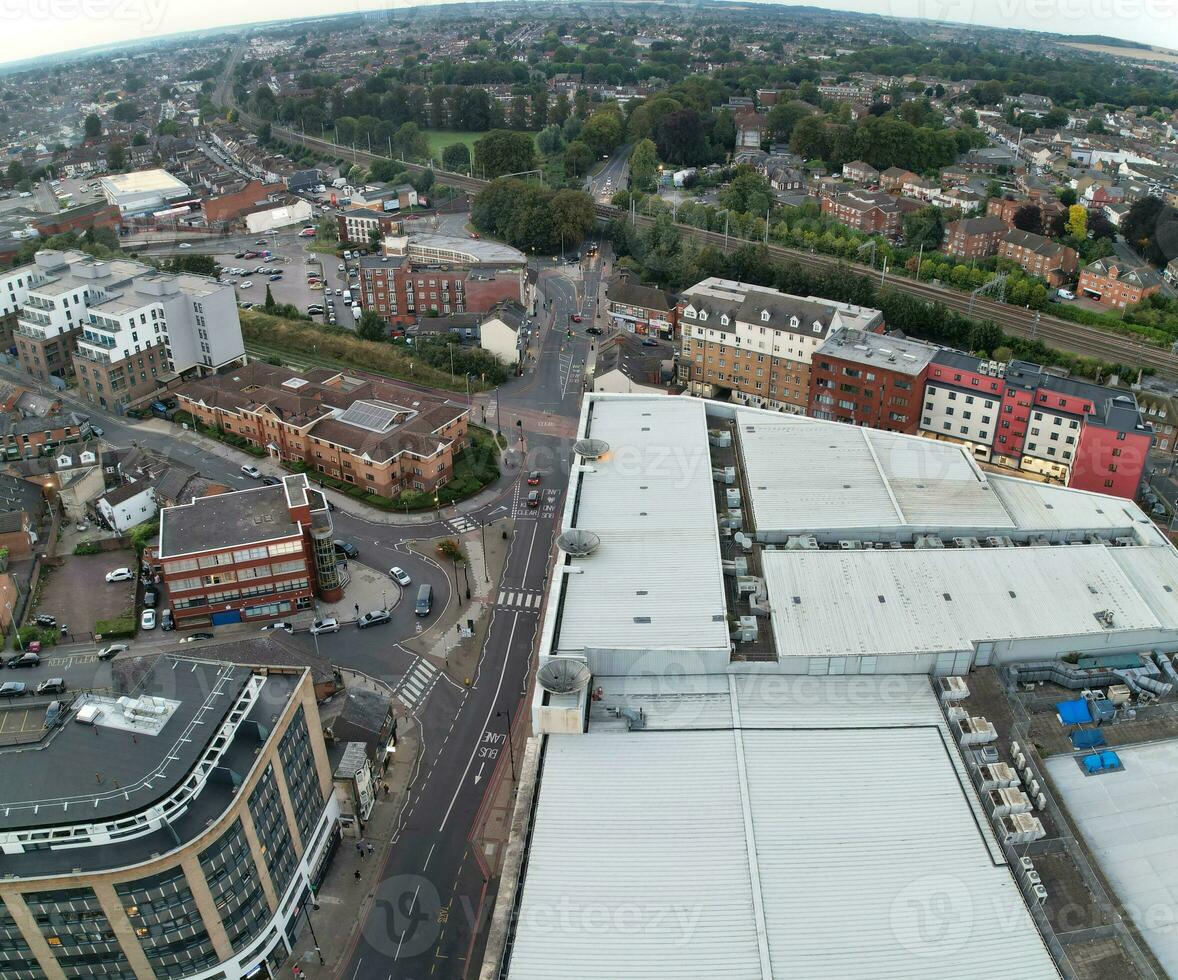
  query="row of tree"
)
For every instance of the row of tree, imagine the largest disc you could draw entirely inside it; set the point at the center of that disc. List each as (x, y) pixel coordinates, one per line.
(532, 218)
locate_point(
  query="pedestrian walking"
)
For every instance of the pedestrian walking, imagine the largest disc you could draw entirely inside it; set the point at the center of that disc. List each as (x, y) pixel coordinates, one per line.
(386, 791)
(357, 606)
(371, 849)
(356, 874)
(360, 849)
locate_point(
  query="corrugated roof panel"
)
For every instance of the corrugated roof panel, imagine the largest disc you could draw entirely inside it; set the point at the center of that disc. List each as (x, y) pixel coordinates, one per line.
(1044, 507)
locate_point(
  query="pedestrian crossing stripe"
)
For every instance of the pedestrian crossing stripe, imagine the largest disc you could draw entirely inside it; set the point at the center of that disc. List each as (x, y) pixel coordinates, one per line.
(521, 600)
(416, 682)
(461, 524)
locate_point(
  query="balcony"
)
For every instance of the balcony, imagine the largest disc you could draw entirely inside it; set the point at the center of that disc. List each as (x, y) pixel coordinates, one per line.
(37, 303)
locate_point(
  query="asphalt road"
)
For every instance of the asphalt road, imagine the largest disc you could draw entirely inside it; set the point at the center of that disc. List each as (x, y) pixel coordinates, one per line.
(612, 177)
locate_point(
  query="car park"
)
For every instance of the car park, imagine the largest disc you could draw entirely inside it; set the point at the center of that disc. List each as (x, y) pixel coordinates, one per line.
(52, 685)
(120, 575)
(327, 625)
(400, 576)
(377, 617)
(250, 470)
(13, 689)
(26, 659)
(247, 285)
(112, 651)
(147, 620)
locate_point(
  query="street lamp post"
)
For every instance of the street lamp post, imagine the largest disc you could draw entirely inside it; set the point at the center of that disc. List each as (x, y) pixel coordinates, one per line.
(314, 938)
(510, 749)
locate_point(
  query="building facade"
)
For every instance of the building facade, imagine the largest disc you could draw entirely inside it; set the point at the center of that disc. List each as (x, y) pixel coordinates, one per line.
(1039, 256)
(872, 212)
(864, 378)
(639, 308)
(251, 555)
(757, 344)
(211, 878)
(382, 437)
(973, 238)
(1112, 285)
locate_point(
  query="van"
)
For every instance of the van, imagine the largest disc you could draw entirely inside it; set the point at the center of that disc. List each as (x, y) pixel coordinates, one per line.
(425, 600)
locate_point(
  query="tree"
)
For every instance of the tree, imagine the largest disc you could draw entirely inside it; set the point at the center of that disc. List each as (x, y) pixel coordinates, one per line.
(268, 303)
(573, 217)
(550, 140)
(356, 175)
(809, 139)
(560, 110)
(1151, 227)
(502, 151)
(456, 158)
(16, 172)
(578, 158)
(385, 170)
(1077, 225)
(603, 130)
(1095, 126)
(1100, 227)
(371, 326)
(126, 111)
(925, 227)
(784, 116)
(411, 142)
(424, 181)
(644, 166)
(680, 138)
(116, 156)
(969, 117)
(92, 127)
(1029, 218)
(1067, 197)
(748, 192)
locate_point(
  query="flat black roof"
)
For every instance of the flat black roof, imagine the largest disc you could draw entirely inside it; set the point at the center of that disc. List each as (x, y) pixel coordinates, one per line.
(206, 807)
(225, 520)
(83, 773)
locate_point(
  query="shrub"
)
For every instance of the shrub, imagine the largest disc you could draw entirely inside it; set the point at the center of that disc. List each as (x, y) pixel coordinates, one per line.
(86, 548)
(116, 629)
(30, 633)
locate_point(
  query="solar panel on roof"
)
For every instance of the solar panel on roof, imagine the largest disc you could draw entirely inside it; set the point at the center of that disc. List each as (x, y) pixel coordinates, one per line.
(370, 415)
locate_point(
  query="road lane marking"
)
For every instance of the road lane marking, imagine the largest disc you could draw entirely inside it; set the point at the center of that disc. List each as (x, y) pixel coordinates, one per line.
(528, 563)
(486, 722)
(429, 855)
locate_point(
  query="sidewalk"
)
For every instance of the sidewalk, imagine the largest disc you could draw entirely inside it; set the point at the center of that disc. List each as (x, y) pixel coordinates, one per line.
(343, 901)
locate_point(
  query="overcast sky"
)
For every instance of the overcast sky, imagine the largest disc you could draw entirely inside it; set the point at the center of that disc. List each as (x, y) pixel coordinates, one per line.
(39, 27)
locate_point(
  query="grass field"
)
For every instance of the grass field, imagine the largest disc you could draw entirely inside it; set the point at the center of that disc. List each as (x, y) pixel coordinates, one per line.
(439, 139)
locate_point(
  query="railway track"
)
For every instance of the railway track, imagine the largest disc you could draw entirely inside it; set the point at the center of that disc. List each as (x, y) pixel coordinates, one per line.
(1074, 338)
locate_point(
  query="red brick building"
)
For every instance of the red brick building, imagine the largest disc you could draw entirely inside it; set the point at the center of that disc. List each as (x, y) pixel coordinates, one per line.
(251, 555)
(870, 379)
(1039, 256)
(230, 207)
(1112, 285)
(973, 238)
(872, 212)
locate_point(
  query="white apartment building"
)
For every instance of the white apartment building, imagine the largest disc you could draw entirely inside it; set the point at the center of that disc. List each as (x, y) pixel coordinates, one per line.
(961, 416)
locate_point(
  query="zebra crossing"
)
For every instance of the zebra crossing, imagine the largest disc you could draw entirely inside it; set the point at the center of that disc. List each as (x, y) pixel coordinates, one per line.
(461, 524)
(520, 600)
(416, 685)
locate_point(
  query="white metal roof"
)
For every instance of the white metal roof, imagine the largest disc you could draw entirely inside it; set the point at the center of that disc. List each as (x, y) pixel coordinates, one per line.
(727, 846)
(143, 182)
(650, 500)
(882, 480)
(836, 603)
(1044, 507)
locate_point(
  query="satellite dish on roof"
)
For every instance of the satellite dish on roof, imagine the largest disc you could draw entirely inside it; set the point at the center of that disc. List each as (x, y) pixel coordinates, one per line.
(578, 542)
(591, 448)
(564, 675)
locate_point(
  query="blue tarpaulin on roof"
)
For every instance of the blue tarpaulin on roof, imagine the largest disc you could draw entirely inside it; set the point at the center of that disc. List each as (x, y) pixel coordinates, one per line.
(1073, 712)
(1092, 763)
(1088, 738)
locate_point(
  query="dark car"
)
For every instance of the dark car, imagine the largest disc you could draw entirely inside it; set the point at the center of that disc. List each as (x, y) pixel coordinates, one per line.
(534, 478)
(23, 660)
(112, 651)
(44, 619)
(595, 331)
(346, 548)
(150, 598)
(12, 689)
(534, 498)
(270, 481)
(649, 342)
(54, 714)
(375, 618)
(54, 685)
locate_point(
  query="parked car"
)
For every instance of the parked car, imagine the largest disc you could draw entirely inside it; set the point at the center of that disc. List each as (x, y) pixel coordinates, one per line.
(400, 576)
(147, 620)
(149, 598)
(247, 285)
(52, 685)
(327, 625)
(98, 430)
(12, 689)
(346, 548)
(534, 499)
(1065, 294)
(120, 575)
(275, 278)
(251, 471)
(112, 651)
(53, 714)
(282, 625)
(534, 478)
(270, 481)
(199, 635)
(375, 618)
(595, 331)
(26, 659)
(167, 624)
(44, 619)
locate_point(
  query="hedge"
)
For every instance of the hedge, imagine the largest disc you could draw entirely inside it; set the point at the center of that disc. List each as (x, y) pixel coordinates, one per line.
(86, 548)
(116, 629)
(29, 634)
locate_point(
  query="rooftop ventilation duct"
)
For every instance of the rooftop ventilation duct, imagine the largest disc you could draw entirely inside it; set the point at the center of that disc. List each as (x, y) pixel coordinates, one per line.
(578, 542)
(591, 448)
(564, 675)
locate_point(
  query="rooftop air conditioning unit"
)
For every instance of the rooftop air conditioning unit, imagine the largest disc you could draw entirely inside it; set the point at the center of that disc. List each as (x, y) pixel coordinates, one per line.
(1026, 864)
(952, 688)
(746, 629)
(747, 585)
(1033, 877)
(725, 474)
(976, 731)
(956, 713)
(996, 775)
(1040, 802)
(993, 541)
(1006, 801)
(801, 542)
(732, 497)
(924, 541)
(1020, 828)
(1040, 893)
(737, 566)
(850, 545)
(720, 438)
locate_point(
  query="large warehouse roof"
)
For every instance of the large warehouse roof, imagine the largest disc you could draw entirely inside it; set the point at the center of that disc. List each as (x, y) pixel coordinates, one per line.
(841, 603)
(142, 182)
(723, 844)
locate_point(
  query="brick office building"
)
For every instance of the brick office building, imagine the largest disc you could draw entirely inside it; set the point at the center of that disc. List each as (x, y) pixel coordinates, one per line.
(251, 555)
(869, 379)
(756, 344)
(440, 275)
(973, 238)
(638, 308)
(381, 437)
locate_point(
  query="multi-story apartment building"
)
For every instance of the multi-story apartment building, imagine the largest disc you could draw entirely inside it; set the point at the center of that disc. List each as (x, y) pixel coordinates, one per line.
(757, 344)
(381, 437)
(973, 238)
(250, 555)
(176, 828)
(1113, 285)
(358, 226)
(639, 308)
(1050, 261)
(1018, 415)
(33, 435)
(860, 172)
(440, 275)
(869, 379)
(873, 212)
(121, 326)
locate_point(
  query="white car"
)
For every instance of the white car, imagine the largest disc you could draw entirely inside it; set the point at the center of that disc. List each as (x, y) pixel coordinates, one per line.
(147, 620)
(280, 625)
(251, 471)
(120, 575)
(185, 245)
(328, 625)
(400, 576)
(247, 284)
